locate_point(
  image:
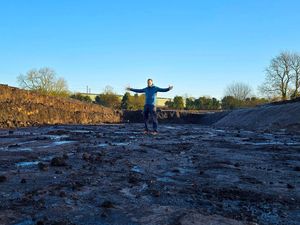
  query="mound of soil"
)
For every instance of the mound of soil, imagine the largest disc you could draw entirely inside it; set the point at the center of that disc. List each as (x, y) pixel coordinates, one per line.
(21, 108)
(266, 117)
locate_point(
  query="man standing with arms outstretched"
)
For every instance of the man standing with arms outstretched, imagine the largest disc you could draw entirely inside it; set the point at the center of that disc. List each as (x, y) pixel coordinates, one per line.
(150, 102)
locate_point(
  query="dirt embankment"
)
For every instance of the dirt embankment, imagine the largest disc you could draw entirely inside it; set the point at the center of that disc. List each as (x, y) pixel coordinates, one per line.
(275, 116)
(19, 108)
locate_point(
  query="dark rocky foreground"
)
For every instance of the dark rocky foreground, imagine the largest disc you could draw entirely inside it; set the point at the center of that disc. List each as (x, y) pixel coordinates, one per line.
(114, 174)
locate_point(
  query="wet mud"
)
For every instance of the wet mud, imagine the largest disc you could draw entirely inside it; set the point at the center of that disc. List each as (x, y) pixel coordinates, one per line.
(115, 174)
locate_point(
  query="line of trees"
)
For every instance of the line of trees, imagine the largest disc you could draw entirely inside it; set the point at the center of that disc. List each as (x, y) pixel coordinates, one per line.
(202, 103)
(132, 102)
(240, 95)
(81, 97)
(110, 99)
(176, 103)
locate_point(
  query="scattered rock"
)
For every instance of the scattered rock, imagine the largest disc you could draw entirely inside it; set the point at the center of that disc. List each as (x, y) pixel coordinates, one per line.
(86, 156)
(62, 194)
(3, 178)
(107, 205)
(42, 166)
(40, 222)
(155, 193)
(133, 179)
(104, 215)
(176, 171)
(23, 181)
(237, 165)
(58, 161)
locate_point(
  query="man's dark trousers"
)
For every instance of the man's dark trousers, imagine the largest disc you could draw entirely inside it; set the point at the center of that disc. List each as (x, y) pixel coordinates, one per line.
(150, 109)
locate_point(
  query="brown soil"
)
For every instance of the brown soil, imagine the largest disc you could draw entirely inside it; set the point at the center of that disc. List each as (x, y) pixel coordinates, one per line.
(21, 108)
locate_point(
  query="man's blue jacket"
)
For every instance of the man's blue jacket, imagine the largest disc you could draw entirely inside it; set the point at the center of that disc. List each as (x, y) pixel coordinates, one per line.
(150, 93)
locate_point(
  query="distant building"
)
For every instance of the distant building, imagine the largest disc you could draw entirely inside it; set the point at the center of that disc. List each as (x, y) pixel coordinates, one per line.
(160, 101)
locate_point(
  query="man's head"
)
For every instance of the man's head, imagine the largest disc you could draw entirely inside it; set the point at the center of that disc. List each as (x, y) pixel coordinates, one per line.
(150, 82)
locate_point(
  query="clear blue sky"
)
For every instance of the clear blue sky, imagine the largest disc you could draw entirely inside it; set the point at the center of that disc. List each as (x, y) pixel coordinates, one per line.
(198, 46)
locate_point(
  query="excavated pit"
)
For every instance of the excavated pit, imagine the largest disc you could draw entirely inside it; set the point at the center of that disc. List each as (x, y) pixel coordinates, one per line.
(115, 174)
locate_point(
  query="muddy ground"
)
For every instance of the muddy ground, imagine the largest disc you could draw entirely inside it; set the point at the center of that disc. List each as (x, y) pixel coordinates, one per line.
(114, 174)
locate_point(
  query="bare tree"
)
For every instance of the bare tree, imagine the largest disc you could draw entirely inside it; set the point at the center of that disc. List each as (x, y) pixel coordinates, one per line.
(278, 76)
(44, 81)
(239, 91)
(295, 65)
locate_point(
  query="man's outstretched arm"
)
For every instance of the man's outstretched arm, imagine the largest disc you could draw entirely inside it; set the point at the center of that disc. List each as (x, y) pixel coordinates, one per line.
(136, 90)
(164, 89)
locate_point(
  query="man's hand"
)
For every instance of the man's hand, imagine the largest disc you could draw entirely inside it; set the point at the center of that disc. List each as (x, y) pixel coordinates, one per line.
(170, 87)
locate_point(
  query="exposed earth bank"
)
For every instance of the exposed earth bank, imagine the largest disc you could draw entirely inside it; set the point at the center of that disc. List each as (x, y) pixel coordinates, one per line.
(20, 108)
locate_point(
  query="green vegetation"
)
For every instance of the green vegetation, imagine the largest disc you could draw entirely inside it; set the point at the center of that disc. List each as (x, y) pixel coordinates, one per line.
(135, 102)
(230, 102)
(177, 103)
(81, 97)
(108, 98)
(202, 103)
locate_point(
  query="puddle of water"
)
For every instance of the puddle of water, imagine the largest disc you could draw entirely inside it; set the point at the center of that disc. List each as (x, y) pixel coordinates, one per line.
(114, 144)
(25, 222)
(222, 177)
(81, 131)
(16, 149)
(56, 137)
(57, 143)
(179, 171)
(23, 133)
(27, 164)
(126, 192)
(170, 127)
(166, 180)
(103, 145)
(221, 131)
(23, 149)
(137, 169)
(27, 142)
(132, 137)
(127, 132)
(269, 143)
(120, 143)
(143, 187)
(62, 142)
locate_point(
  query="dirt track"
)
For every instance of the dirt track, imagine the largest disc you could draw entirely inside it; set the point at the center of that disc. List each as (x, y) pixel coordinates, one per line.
(113, 174)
